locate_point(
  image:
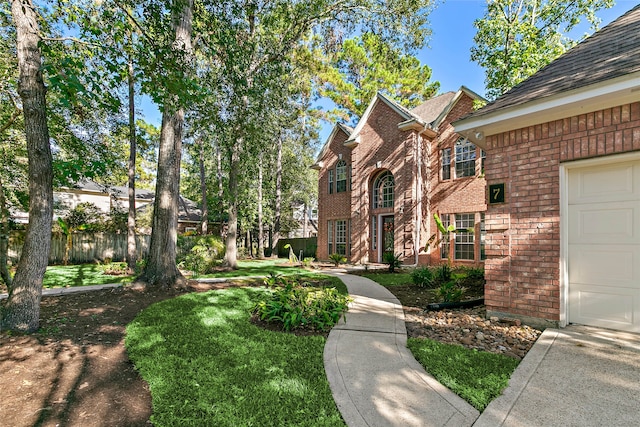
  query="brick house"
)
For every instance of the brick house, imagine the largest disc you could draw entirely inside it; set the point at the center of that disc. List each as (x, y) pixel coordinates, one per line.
(563, 174)
(381, 183)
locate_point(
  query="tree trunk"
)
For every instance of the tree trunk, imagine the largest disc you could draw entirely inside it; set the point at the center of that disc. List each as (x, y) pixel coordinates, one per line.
(260, 216)
(304, 220)
(22, 309)
(231, 243)
(4, 239)
(131, 217)
(204, 228)
(277, 210)
(220, 189)
(161, 269)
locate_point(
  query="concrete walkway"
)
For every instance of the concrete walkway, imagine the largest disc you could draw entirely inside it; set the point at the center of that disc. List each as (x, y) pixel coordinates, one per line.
(374, 378)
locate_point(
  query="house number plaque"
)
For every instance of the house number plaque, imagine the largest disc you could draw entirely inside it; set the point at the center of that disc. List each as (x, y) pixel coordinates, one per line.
(496, 193)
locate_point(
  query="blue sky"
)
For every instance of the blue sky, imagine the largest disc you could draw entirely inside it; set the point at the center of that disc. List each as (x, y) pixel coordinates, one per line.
(448, 50)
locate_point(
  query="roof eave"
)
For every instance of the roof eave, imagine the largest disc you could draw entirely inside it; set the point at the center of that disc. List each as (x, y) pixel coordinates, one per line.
(619, 91)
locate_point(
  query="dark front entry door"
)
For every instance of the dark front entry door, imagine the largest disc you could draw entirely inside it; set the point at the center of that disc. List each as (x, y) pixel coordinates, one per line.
(387, 235)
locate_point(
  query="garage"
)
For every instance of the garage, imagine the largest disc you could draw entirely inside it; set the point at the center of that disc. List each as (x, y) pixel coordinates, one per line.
(603, 243)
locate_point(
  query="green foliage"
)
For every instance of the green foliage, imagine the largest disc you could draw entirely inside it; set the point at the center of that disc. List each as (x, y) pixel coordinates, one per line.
(443, 273)
(423, 277)
(450, 291)
(476, 376)
(307, 261)
(475, 273)
(204, 255)
(516, 38)
(394, 261)
(337, 259)
(297, 305)
(85, 217)
(207, 364)
(367, 64)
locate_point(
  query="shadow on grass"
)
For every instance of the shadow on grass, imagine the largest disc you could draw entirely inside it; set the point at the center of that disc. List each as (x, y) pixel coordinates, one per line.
(204, 360)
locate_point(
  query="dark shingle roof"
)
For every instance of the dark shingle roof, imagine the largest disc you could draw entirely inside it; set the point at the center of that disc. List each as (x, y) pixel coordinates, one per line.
(612, 52)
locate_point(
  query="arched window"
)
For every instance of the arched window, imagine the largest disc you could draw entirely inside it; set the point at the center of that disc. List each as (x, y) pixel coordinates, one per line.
(341, 176)
(383, 191)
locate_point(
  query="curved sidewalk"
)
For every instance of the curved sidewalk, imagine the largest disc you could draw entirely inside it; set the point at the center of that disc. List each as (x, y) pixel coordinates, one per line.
(374, 378)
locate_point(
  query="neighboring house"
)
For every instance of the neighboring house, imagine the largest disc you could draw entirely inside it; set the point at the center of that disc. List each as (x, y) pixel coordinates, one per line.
(563, 171)
(381, 183)
(117, 197)
(307, 219)
(103, 196)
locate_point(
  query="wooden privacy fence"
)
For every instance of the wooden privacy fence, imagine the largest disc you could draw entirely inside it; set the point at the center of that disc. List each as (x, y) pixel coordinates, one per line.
(307, 245)
(86, 247)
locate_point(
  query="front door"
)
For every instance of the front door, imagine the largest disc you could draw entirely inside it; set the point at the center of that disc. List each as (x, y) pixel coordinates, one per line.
(388, 227)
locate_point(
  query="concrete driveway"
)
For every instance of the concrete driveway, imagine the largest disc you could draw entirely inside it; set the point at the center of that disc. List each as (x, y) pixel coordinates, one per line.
(576, 376)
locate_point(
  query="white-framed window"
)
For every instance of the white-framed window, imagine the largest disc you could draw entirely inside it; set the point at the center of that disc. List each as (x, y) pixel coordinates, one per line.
(383, 191)
(446, 163)
(330, 181)
(465, 158)
(465, 223)
(330, 236)
(341, 237)
(445, 242)
(483, 158)
(341, 176)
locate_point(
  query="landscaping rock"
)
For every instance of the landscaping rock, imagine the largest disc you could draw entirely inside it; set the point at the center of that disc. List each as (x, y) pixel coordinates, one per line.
(470, 327)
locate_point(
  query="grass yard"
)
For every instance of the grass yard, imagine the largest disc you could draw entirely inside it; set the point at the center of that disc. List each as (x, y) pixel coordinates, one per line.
(207, 364)
(388, 279)
(60, 276)
(476, 376)
(260, 268)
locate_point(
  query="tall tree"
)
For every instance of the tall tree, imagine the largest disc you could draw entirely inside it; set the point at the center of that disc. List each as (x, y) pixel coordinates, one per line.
(22, 309)
(161, 269)
(131, 172)
(516, 38)
(367, 64)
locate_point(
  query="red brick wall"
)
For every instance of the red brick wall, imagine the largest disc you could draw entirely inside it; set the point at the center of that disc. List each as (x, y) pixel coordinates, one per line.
(456, 195)
(523, 234)
(332, 206)
(382, 141)
(384, 147)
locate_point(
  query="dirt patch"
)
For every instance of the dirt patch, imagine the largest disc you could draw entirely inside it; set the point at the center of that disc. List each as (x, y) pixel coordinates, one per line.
(75, 370)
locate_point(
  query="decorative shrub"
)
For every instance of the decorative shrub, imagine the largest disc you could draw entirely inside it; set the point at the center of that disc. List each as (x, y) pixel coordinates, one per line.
(204, 255)
(298, 305)
(337, 259)
(394, 261)
(443, 274)
(450, 292)
(423, 277)
(307, 261)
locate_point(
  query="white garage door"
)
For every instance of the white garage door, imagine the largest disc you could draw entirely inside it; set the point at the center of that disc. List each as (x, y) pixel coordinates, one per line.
(604, 246)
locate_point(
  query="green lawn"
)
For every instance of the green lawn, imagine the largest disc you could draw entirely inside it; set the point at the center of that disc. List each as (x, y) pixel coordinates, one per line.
(476, 376)
(260, 268)
(388, 279)
(208, 365)
(60, 276)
